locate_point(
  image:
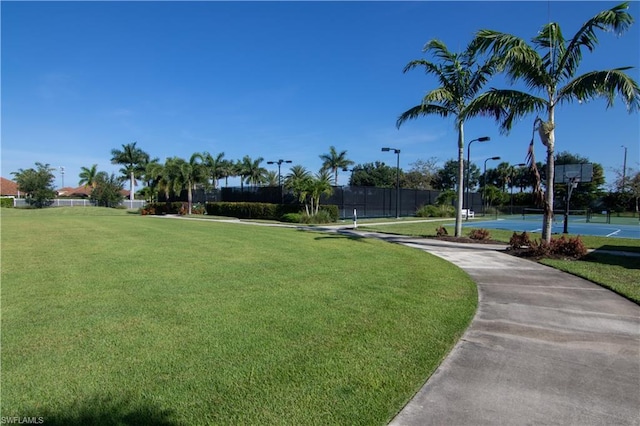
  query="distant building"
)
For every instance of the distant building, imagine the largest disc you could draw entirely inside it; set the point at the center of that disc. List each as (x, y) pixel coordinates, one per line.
(8, 188)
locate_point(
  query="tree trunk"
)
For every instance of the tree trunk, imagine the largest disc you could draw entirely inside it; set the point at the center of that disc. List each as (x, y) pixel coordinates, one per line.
(458, 232)
(547, 134)
(131, 186)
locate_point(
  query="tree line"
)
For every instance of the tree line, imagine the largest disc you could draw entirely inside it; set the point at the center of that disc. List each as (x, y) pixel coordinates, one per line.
(548, 68)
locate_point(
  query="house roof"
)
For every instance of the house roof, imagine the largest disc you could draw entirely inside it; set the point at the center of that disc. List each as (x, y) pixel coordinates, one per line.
(80, 191)
(8, 187)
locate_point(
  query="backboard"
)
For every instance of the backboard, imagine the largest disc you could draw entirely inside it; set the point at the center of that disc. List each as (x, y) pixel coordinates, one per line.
(573, 173)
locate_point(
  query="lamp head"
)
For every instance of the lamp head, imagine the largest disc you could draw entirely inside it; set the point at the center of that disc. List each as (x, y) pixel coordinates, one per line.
(484, 139)
(271, 162)
(495, 158)
(386, 149)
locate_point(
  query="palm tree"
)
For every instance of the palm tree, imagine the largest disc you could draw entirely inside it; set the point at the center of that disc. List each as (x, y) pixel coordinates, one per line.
(297, 181)
(335, 161)
(214, 167)
(227, 169)
(134, 161)
(271, 178)
(318, 185)
(548, 67)
(88, 176)
(461, 78)
(189, 174)
(252, 172)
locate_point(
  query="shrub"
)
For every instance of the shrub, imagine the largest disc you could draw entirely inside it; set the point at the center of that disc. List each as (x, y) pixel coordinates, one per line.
(292, 217)
(332, 210)
(564, 247)
(568, 247)
(521, 241)
(435, 211)
(479, 234)
(6, 202)
(441, 231)
(161, 208)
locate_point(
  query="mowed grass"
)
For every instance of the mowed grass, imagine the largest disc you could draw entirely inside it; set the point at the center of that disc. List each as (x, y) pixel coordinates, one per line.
(618, 273)
(615, 272)
(114, 318)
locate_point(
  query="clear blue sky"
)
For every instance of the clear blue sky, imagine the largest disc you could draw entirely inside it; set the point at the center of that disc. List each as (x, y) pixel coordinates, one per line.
(278, 80)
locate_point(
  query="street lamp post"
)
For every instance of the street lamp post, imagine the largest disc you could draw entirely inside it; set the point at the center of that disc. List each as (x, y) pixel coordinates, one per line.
(279, 163)
(484, 188)
(397, 152)
(624, 168)
(482, 139)
(62, 175)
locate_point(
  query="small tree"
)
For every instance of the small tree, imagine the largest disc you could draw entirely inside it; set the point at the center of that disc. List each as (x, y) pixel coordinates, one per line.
(37, 184)
(107, 191)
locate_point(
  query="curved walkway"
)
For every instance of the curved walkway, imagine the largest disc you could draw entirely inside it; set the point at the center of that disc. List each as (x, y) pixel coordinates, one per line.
(545, 347)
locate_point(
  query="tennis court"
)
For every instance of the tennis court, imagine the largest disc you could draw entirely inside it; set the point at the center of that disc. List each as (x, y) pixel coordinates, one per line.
(577, 225)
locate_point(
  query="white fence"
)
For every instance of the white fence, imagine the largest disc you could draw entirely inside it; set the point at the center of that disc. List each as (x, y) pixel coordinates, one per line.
(80, 202)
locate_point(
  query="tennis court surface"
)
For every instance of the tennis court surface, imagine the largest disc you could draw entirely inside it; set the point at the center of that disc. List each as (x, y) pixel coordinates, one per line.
(576, 226)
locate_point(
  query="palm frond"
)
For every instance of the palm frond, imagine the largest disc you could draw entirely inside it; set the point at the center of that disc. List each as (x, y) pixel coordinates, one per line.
(438, 49)
(616, 20)
(422, 110)
(504, 106)
(551, 41)
(603, 84)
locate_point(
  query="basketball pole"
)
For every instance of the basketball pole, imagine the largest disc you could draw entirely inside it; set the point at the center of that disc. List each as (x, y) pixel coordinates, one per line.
(573, 183)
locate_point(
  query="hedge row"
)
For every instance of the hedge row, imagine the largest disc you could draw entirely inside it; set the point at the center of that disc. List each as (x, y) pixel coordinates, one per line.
(6, 202)
(161, 208)
(266, 211)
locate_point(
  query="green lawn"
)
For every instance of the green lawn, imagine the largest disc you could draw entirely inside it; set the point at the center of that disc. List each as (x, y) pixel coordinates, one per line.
(113, 318)
(616, 272)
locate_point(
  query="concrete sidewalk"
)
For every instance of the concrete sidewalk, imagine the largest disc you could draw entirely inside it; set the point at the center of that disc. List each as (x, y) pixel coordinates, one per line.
(545, 347)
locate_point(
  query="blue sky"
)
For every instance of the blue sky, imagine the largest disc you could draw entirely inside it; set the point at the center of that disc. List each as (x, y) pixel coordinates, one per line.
(278, 80)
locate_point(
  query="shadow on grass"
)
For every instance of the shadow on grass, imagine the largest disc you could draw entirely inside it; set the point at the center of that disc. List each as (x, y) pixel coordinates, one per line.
(611, 247)
(333, 234)
(107, 411)
(628, 262)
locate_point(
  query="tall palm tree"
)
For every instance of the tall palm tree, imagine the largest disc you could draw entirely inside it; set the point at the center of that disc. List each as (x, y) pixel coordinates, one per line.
(189, 174)
(318, 185)
(88, 176)
(335, 161)
(252, 172)
(297, 181)
(461, 78)
(133, 160)
(214, 166)
(548, 67)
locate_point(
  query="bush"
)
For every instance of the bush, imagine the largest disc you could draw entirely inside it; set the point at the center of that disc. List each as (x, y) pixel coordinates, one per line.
(479, 234)
(436, 211)
(564, 247)
(323, 216)
(517, 242)
(161, 208)
(568, 247)
(441, 231)
(292, 217)
(6, 202)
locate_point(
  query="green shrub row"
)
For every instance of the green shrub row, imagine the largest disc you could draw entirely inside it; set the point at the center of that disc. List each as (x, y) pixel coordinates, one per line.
(267, 211)
(432, 210)
(162, 208)
(571, 247)
(6, 202)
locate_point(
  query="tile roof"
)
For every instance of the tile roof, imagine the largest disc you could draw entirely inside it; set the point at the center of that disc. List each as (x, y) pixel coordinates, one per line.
(8, 187)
